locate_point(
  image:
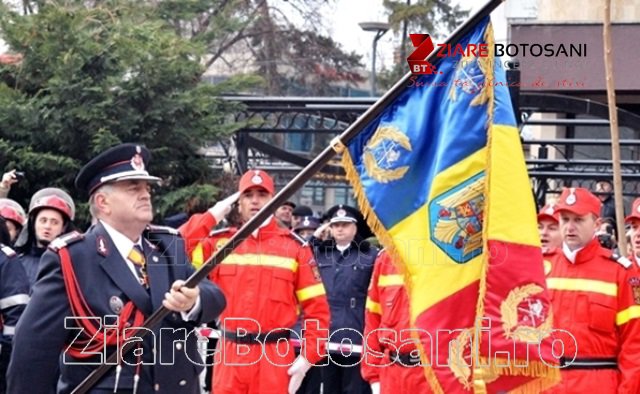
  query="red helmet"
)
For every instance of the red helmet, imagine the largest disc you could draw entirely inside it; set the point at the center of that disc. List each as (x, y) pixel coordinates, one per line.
(53, 198)
(11, 210)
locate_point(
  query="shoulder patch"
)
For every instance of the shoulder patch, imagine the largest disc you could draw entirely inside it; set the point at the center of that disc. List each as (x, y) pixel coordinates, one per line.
(65, 240)
(221, 231)
(623, 261)
(7, 250)
(298, 238)
(152, 228)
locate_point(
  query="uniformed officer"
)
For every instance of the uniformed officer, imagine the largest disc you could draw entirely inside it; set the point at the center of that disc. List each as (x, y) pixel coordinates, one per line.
(299, 213)
(15, 216)
(346, 263)
(595, 310)
(51, 213)
(307, 227)
(283, 213)
(93, 286)
(392, 362)
(14, 290)
(267, 279)
(548, 227)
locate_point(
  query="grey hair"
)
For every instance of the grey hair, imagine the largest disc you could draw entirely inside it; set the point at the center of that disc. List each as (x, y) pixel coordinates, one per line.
(93, 209)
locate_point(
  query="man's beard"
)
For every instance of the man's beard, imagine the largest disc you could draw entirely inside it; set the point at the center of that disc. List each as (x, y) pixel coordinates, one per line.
(42, 243)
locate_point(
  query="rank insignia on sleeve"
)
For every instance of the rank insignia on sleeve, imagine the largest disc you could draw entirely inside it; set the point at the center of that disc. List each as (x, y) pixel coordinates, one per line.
(635, 288)
(315, 270)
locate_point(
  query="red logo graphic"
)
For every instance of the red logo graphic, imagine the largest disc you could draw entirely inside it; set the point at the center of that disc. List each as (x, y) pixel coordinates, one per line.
(424, 46)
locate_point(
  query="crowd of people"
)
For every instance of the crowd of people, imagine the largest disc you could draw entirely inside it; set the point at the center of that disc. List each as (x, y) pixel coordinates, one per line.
(295, 304)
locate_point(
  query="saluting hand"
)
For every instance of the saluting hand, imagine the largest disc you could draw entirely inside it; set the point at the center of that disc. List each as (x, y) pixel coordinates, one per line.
(180, 298)
(223, 207)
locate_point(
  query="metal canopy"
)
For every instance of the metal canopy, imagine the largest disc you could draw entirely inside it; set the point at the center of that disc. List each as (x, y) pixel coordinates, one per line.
(283, 134)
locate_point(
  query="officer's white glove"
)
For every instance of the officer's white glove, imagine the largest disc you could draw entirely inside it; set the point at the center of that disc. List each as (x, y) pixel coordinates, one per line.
(223, 207)
(375, 388)
(320, 232)
(297, 372)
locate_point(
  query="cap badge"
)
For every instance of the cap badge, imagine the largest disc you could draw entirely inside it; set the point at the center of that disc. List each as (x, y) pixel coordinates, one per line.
(638, 208)
(306, 221)
(257, 179)
(549, 211)
(571, 198)
(136, 161)
(341, 213)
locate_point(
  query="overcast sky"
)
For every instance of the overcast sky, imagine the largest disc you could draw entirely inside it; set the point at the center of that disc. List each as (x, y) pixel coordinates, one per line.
(346, 14)
(342, 18)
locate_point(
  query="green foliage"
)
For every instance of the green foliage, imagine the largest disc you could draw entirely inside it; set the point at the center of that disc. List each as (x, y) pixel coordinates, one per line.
(96, 76)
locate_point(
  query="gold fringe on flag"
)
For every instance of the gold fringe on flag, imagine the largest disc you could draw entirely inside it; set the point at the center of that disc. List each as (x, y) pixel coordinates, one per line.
(385, 239)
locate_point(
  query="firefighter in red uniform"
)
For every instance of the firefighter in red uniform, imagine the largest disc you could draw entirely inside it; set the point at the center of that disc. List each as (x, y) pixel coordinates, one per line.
(264, 280)
(549, 229)
(595, 311)
(392, 362)
(633, 220)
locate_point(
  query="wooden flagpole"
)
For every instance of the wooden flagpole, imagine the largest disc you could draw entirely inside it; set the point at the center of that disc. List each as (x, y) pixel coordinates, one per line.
(615, 133)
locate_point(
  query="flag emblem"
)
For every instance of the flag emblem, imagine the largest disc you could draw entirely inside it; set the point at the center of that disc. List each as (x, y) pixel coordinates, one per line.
(456, 220)
(525, 316)
(382, 153)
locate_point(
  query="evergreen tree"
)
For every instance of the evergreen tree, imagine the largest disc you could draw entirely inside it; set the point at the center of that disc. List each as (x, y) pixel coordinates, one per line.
(95, 74)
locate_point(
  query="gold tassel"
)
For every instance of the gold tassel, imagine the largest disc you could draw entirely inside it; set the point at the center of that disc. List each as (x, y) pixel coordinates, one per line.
(385, 239)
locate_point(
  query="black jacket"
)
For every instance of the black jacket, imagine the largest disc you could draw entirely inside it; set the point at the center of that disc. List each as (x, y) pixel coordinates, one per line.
(346, 277)
(106, 281)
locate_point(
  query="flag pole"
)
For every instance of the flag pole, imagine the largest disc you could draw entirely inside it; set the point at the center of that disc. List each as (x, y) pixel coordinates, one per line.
(615, 134)
(337, 145)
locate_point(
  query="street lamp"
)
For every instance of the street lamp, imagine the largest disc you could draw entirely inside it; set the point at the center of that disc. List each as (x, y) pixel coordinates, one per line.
(380, 28)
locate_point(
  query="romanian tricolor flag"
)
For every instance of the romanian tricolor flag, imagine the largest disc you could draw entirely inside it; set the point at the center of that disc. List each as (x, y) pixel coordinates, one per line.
(441, 177)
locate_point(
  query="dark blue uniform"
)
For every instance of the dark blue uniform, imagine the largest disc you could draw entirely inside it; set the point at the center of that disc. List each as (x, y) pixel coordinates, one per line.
(106, 283)
(30, 261)
(14, 290)
(346, 277)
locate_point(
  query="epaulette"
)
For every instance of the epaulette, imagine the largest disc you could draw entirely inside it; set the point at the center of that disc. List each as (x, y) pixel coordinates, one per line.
(219, 231)
(65, 240)
(152, 228)
(7, 250)
(623, 261)
(298, 238)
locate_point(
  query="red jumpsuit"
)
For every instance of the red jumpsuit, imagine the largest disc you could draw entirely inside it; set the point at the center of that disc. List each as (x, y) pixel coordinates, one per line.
(635, 263)
(264, 280)
(593, 300)
(386, 315)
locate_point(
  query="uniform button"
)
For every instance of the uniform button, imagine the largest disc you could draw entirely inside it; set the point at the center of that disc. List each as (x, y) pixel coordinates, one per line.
(182, 382)
(179, 346)
(156, 387)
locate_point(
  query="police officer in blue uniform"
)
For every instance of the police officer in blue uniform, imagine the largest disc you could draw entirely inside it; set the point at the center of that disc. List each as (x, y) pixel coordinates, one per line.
(93, 286)
(14, 289)
(345, 262)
